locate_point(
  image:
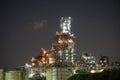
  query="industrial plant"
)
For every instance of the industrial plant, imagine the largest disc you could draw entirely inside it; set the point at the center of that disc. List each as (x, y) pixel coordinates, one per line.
(59, 62)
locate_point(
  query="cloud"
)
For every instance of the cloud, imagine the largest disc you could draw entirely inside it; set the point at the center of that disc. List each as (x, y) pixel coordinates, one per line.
(39, 24)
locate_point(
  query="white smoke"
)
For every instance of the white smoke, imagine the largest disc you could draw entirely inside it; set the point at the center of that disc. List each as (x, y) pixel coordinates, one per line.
(39, 24)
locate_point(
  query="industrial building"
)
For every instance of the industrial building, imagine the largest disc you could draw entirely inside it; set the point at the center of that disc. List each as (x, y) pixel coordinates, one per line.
(57, 63)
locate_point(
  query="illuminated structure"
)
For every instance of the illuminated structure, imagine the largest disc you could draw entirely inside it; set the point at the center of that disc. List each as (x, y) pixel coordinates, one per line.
(65, 42)
(59, 62)
(115, 63)
(56, 63)
(88, 63)
(104, 61)
(65, 25)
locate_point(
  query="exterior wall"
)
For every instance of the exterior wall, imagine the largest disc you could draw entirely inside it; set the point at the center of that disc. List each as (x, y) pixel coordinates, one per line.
(58, 73)
(13, 75)
(1, 74)
(48, 74)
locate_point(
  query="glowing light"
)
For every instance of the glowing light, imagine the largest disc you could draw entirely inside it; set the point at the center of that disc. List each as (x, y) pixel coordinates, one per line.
(70, 41)
(93, 71)
(33, 64)
(50, 58)
(44, 51)
(65, 24)
(100, 70)
(96, 71)
(27, 65)
(43, 58)
(60, 41)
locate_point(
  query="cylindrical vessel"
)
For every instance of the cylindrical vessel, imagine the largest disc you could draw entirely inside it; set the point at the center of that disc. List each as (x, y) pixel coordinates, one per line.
(48, 73)
(58, 73)
(54, 73)
(1, 74)
(13, 75)
(62, 73)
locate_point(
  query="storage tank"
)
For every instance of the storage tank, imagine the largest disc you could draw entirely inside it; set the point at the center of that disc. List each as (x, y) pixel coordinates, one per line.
(14, 75)
(1, 74)
(58, 73)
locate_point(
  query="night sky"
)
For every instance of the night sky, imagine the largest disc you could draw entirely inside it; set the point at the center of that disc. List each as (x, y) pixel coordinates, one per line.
(29, 25)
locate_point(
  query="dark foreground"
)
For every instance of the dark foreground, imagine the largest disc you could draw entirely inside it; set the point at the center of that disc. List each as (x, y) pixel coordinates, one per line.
(108, 74)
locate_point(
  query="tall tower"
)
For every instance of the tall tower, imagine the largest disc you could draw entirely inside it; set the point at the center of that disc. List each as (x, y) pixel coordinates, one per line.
(65, 42)
(48, 63)
(65, 25)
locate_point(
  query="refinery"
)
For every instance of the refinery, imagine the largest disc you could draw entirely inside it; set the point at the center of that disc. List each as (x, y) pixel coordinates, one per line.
(59, 62)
